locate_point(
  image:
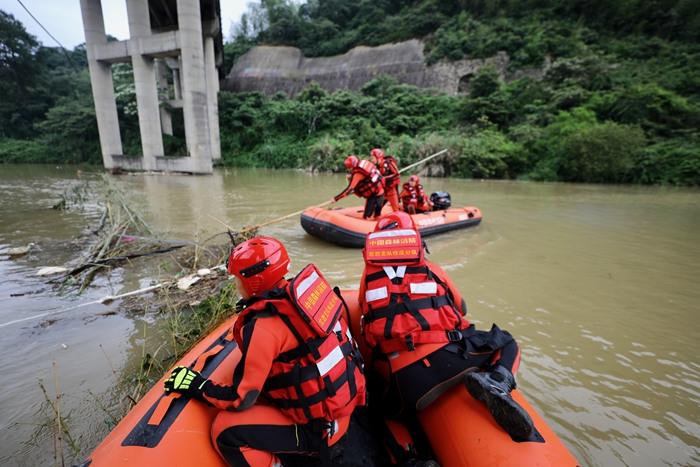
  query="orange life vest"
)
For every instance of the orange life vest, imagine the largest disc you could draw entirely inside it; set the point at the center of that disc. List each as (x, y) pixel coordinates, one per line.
(409, 195)
(322, 378)
(371, 184)
(404, 302)
(414, 196)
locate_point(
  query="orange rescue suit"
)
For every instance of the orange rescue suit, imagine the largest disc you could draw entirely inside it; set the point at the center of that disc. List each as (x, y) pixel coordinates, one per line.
(392, 179)
(365, 181)
(410, 307)
(307, 375)
(414, 198)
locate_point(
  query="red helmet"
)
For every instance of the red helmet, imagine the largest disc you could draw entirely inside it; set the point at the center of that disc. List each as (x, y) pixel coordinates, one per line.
(395, 220)
(414, 179)
(351, 162)
(377, 153)
(259, 264)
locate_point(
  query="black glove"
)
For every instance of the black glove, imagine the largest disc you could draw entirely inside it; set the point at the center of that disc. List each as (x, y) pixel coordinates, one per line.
(186, 382)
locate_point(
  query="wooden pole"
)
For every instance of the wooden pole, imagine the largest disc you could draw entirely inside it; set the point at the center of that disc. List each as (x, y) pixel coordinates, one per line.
(415, 164)
(287, 216)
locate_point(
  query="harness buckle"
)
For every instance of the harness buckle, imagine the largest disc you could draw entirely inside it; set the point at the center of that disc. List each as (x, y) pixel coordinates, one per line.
(454, 335)
(409, 343)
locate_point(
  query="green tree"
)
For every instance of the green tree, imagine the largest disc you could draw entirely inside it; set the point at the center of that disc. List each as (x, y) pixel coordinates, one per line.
(70, 130)
(18, 75)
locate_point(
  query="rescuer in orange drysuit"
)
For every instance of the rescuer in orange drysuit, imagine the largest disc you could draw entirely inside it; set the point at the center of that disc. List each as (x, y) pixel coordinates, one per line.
(297, 352)
(390, 172)
(413, 197)
(414, 320)
(365, 182)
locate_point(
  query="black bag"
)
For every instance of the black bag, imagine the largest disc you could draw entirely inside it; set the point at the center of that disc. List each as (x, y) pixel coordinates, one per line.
(441, 200)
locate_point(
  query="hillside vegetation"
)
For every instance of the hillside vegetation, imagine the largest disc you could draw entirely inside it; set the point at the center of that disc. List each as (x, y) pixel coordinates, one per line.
(620, 101)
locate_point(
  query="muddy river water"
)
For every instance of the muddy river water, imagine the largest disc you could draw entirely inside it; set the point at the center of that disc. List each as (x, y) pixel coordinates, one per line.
(600, 284)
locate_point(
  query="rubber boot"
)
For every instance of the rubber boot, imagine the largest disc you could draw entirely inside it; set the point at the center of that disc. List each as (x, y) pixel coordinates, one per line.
(493, 389)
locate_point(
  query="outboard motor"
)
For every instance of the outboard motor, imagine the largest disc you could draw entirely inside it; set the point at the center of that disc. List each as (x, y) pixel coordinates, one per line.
(441, 200)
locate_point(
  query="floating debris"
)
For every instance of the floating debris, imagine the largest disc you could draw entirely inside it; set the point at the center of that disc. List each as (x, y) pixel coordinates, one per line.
(186, 282)
(51, 270)
(19, 250)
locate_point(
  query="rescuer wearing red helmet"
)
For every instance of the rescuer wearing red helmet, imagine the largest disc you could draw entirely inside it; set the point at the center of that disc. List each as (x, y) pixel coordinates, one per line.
(365, 182)
(296, 351)
(390, 172)
(413, 197)
(414, 319)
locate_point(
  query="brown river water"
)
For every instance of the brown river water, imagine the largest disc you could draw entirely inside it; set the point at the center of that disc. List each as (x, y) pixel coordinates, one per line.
(600, 285)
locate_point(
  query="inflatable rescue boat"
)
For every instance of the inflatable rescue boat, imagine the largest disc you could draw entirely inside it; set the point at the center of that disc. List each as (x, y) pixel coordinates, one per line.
(346, 227)
(168, 430)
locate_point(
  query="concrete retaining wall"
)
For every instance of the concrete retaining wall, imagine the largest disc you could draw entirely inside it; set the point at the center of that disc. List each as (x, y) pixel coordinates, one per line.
(270, 69)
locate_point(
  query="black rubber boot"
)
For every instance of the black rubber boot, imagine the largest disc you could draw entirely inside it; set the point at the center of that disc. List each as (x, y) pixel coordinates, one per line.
(493, 389)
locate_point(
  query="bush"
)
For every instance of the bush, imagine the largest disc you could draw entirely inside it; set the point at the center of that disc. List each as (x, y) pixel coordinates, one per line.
(483, 154)
(650, 106)
(19, 150)
(576, 147)
(70, 130)
(487, 154)
(602, 153)
(496, 108)
(675, 161)
(329, 153)
(486, 81)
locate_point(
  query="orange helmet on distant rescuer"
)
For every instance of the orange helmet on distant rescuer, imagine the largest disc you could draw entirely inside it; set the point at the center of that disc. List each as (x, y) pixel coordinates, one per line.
(351, 162)
(258, 264)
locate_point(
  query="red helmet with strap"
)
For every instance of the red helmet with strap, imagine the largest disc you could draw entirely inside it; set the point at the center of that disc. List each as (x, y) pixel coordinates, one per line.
(396, 220)
(378, 154)
(351, 162)
(414, 178)
(259, 264)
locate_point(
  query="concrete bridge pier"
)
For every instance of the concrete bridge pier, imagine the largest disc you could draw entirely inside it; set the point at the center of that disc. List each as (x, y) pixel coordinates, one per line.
(183, 35)
(194, 84)
(166, 118)
(101, 82)
(145, 84)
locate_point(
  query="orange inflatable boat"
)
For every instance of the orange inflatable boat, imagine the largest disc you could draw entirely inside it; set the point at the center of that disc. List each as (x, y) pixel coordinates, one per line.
(175, 431)
(346, 227)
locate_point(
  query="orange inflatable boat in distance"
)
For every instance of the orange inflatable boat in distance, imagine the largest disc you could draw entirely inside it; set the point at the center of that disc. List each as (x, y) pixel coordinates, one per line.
(167, 430)
(346, 227)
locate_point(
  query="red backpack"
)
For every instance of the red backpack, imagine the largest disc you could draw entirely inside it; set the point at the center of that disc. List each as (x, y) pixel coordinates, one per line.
(403, 302)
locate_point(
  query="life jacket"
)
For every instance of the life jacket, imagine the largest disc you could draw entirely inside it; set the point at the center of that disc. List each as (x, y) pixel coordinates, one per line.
(390, 171)
(371, 184)
(414, 196)
(404, 302)
(409, 195)
(322, 378)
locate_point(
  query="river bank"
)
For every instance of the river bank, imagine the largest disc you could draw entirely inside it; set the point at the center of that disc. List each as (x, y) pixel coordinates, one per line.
(596, 281)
